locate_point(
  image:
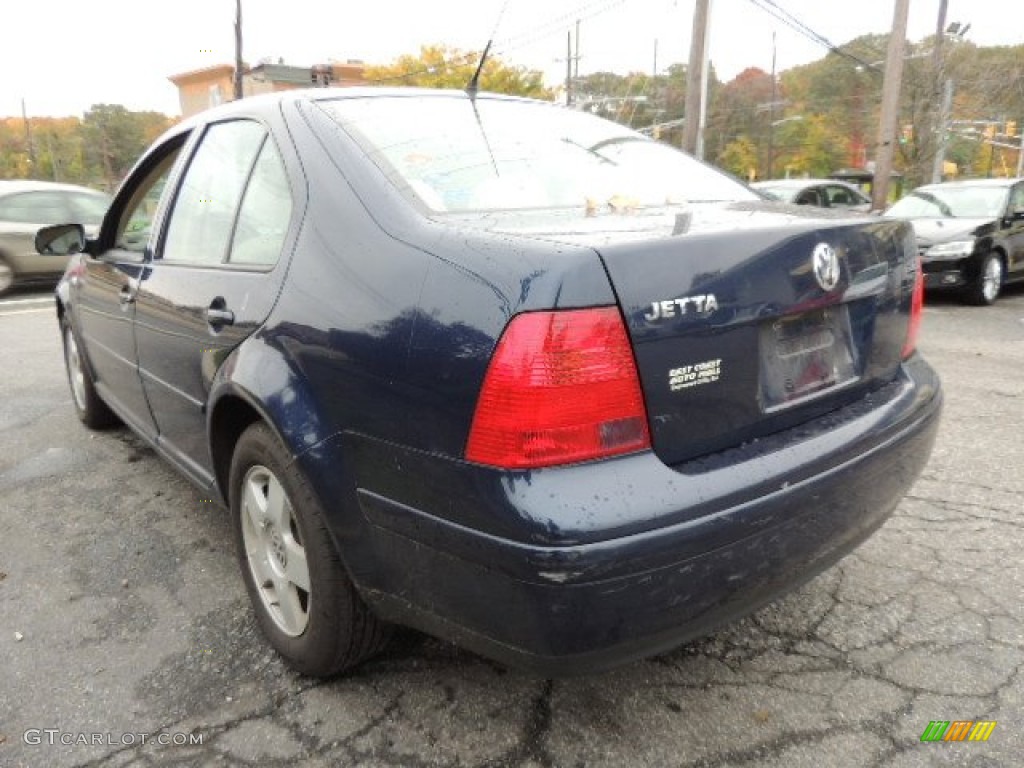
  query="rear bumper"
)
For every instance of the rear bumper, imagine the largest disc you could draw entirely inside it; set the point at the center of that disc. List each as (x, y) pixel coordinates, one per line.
(666, 554)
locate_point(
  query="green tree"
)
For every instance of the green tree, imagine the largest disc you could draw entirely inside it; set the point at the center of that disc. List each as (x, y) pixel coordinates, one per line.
(739, 157)
(812, 146)
(114, 138)
(441, 66)
(738, 109)
(638, 100)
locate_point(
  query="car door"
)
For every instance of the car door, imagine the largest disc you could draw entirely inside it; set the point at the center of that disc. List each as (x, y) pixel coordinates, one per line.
(212, 281)
(1014, 232)
(103, 288)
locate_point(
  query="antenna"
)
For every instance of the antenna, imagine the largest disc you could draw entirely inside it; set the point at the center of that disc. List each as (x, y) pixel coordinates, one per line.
(474, 82)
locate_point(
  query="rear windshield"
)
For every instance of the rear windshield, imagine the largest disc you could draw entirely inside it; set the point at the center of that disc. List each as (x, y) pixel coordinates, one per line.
(454, 155)
(952, 202)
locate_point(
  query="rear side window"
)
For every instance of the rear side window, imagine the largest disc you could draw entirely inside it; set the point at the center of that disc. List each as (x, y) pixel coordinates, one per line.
(203, 217)
(265, 212)
(36, 208)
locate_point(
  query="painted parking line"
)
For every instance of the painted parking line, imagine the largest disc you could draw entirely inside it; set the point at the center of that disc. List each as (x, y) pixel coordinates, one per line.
(24, 311)
(34, 300)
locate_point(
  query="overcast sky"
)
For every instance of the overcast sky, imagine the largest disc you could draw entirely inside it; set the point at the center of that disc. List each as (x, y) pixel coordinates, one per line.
(61, 56)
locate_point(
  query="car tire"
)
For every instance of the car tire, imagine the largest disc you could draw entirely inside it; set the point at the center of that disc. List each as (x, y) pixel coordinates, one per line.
(304, 601)
(6, 277)
(985, 289)
(89, 406)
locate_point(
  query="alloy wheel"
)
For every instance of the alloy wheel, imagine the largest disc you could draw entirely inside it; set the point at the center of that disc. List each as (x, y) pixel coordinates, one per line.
(991, 279)
(274, 551)
(76, 375)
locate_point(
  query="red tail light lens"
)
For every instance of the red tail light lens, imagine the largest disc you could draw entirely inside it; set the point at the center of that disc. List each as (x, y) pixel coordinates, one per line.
(562, 387)
(916, 310)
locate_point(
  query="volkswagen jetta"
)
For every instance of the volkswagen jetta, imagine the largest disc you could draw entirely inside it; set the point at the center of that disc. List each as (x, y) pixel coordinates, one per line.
(504, 372)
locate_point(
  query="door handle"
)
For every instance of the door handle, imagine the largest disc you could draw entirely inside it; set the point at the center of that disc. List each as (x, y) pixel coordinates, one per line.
(219, 316)
(126, 296)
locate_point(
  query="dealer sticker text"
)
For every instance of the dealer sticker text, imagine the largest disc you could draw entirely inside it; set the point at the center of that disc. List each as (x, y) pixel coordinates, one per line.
(696, 375)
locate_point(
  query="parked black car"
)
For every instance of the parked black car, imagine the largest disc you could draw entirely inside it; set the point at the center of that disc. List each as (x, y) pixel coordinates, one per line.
(970, 234)
(501, 371)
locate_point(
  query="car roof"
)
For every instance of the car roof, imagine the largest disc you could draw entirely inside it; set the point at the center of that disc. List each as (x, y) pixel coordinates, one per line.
(271, 100)
(797, 183)
(967, 183)
(12, 186)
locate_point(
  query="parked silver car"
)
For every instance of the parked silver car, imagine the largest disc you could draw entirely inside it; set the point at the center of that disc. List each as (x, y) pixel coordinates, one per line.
(25, 206)
(822, 193)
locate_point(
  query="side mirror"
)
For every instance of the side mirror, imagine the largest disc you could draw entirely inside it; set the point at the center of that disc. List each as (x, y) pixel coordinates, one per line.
(61, 240)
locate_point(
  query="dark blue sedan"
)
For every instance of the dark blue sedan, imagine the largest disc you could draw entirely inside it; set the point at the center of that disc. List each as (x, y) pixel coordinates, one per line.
(507, 373)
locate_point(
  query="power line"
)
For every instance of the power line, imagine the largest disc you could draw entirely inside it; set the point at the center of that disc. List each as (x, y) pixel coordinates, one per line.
(781, 14)
(585, 11)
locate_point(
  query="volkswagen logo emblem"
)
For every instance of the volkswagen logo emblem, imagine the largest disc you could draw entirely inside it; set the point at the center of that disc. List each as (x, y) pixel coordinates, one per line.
(826, 266)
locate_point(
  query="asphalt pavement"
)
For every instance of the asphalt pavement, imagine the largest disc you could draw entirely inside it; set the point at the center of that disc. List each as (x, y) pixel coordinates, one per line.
(126, 636)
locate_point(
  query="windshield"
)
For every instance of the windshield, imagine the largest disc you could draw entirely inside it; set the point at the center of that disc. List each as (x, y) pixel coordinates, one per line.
(776, 193)
(952, 202)
(499, 155)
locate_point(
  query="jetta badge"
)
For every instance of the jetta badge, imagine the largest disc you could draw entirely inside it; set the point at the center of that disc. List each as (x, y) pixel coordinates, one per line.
(826, 266)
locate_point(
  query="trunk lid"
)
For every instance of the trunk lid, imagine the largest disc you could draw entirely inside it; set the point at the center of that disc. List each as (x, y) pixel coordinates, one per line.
(749, 318)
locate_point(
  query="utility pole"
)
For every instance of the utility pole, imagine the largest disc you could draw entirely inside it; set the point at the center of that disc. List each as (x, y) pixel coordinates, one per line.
(576, 58)
(1020, 157)
(941, 85)
(705, 71)
(890, 106)
(771, 118)
(568, 69)
(28, 142)
(238, 50)
(695, 79)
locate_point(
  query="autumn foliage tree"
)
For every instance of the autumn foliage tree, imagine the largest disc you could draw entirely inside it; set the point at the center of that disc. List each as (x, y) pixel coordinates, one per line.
(441, 66)
(96, 150)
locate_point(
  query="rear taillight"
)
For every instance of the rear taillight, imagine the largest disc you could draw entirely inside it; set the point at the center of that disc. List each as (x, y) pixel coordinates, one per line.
(916, 310)
(562, 387)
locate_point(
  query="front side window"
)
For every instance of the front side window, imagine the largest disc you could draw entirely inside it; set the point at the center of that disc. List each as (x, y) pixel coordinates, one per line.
(454, 154)
(89, 209)
(135, 224)
(202, 219)
(841, 197)
(1017, 200)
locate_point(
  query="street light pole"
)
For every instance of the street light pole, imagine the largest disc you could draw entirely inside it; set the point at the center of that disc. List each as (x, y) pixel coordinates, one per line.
(943, 130)
(890, 106)
(238, 50)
